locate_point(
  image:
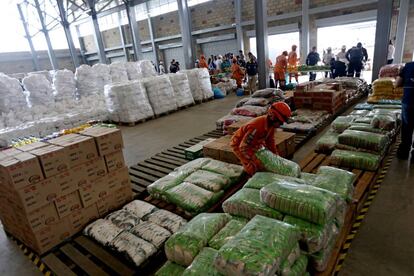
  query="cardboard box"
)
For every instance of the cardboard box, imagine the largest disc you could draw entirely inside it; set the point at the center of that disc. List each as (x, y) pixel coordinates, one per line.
(79, 175)
(231, 129)
(54, 159)
(20, 170)
(114, 161)
(10, 152)
(32, 146)
(108, 140)
(196, 151)
(117, 180)
(87, 194)
(79, 148)
(37, 195)
(212, 150)
(68, 203)
(114, 201)
(79, 219)
(65, 182)
(44, 216)
(95, 169)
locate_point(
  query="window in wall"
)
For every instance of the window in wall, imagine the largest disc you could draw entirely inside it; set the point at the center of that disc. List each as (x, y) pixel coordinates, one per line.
(196, 2)
(157, 7)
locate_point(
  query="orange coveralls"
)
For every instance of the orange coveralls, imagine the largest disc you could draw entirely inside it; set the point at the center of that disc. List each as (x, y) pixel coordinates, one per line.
(251, 137)
(293, 64)
(237, 74)
(280, 68)
(203, 63)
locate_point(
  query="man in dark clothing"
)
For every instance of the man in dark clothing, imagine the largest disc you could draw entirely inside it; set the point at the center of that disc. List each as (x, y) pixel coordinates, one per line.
(406, 80)
(312, 60)
(356, 56)
(251, 70)
(173, 67)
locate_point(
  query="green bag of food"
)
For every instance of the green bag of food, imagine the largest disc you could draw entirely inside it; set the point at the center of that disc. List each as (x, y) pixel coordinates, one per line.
(208, 180)
(183, 246)
(385, 122)
(290, 260)
(327, 142)
(364, 140)
(341, 123)
(170, 269)
(258, 249)
(356, 160)
(367, 128)
(192, 198)
(231, 171)
(308, 177)
(359, 113)
(261, 179)
(227, 233)
(319, 261)
(304, 201)
(276, 164)
(203, 264)
(246, 203)
(363, 120)
(298, 268)
(338, 181)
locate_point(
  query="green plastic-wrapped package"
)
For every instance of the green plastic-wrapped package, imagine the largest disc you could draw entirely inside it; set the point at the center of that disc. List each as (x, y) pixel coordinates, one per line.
(276, 164)
(203, 264)
(208, 180)
(327, 142)
(341, 123)
(192, 198)
(387, 106)
(366, 128)
(363, 120)
(170, 269)
(308, 177)
(297, 269)
(319, 261)
(364, 140)
(303, 201)
(183, 246)
(360, 113)
(227, 233)
(336, 180)
(246, 203)
(232, 171)
(385, 122)
(261, 179)
(258, 249)
(356, 160)
(291, 259)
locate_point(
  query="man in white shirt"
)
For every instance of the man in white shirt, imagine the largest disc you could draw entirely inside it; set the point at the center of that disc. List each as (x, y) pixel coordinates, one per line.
(218, 62)
(328, 59)
(391, 51)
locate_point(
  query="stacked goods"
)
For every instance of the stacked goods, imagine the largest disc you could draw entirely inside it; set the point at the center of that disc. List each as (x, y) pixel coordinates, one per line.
(137, 231)
(390, 70)
(181, 87)
(160, 94)
(250, 111)
(64, 85)
(271, 94)
(341, 123)
(40, 91)
(262, 179)
(103, 73)
(257, 101)
(227, 120)
(355, 159)
(169, 269)
(87, 81)
(360, 140)
(51, 190)
(197, 185)
(383, 89)
(147, 68)
(305, 120)
(133, 70)
(276, 164)
(327, 142)
(118, 72)
(203, 264)
(200, 85)
(226, 85)
(227, 232)
(127, 102)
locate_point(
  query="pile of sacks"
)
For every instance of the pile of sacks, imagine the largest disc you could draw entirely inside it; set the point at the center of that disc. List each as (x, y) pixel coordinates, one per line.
(200, 84)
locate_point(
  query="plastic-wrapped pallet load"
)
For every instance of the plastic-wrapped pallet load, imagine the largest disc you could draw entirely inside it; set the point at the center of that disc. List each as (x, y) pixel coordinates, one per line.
(103, 73)
(160, 94)
(203, 264)
(276, 164)
(356, 160)
(184, 246)
(182, 91)
(64, 86)
(147, 68)
(327, 142)
(227, 232)
(87, 81)
(364, 140)
(40, 91)
(170, 269)
(258, 249)
(200, 84)
(47, 74)
(319, 261)
(133, 70)
(127, 102)
(118, 72)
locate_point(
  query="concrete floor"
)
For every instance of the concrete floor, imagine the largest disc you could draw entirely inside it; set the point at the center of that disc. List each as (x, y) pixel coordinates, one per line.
(384, 244)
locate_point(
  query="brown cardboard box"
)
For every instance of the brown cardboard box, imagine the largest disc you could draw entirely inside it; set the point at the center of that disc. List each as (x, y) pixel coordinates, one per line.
(80, 148)
(212, 150)
(32, 146)
(10, 152)
(79, 175)
(235, 126)
(68, 203)
(43, 216)
(37, 195)
(95, 168)
(54, 159)
(20, 170)
(117, 180)
(114, 161)
(88, 194)
(65, 182)
(79, 219)
(108, 140)
(114, 201)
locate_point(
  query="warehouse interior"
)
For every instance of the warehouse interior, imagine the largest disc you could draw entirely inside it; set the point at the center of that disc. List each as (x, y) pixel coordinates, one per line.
(165, 181)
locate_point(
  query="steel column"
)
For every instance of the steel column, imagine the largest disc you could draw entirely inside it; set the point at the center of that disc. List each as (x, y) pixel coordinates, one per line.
(401, 30)
(35, 61)
(186, 27)
(133, 26)
(81, 44)
(68, 34)
(50, 52)
(382, 36)
(151, 32)
(239, 28)
(97, 32)
(304, 35)
(260, 11)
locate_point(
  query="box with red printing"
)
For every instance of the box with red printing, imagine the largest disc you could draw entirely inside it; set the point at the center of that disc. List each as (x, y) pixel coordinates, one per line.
(108, 140)
(54, 159)
(68, 203)
(114, 161)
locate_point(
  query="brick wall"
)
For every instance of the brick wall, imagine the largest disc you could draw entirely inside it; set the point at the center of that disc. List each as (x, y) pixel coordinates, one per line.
(212, 14)
(277, 7)
(166, 24)
(321, 3)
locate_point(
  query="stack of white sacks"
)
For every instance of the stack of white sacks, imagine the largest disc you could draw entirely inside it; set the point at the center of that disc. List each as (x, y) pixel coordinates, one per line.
(160, 94)
(200, 83)
(181, 88)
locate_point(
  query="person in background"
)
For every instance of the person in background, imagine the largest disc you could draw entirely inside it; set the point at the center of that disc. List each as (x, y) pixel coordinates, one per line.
(293, 64)
(237, 73)
(225, 65)
(203, 63)
(406, 80)
(241, 61)
(364, 52)
(391, 52)
(161, 68)
(241, 55)
(257, 133)
(312, 60)
(211, 65)
(218, 62)
(280, 70)
(251, 69)
(328, 60)
(173, 67)
(356, 56)
(251, 56)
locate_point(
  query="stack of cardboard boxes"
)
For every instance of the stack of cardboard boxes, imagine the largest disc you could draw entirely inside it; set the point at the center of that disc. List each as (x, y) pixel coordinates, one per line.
(50, 190)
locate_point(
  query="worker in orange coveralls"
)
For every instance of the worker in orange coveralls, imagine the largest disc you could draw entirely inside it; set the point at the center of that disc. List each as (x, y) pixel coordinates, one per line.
(293, 64)
(237, 73)
(203, 63)
(280, 70)
(258, 133)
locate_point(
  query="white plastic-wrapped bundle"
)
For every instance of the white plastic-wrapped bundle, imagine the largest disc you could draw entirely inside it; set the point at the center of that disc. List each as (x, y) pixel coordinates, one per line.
(160, 94)
(64, 85)
(181, 89)
(11, 95)
(134, 70)
(47, 74)
(200, 85)
(127, 102)
(103, 73)
(118, 72)
(39, 91)
(86, 80)
(147, 68)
